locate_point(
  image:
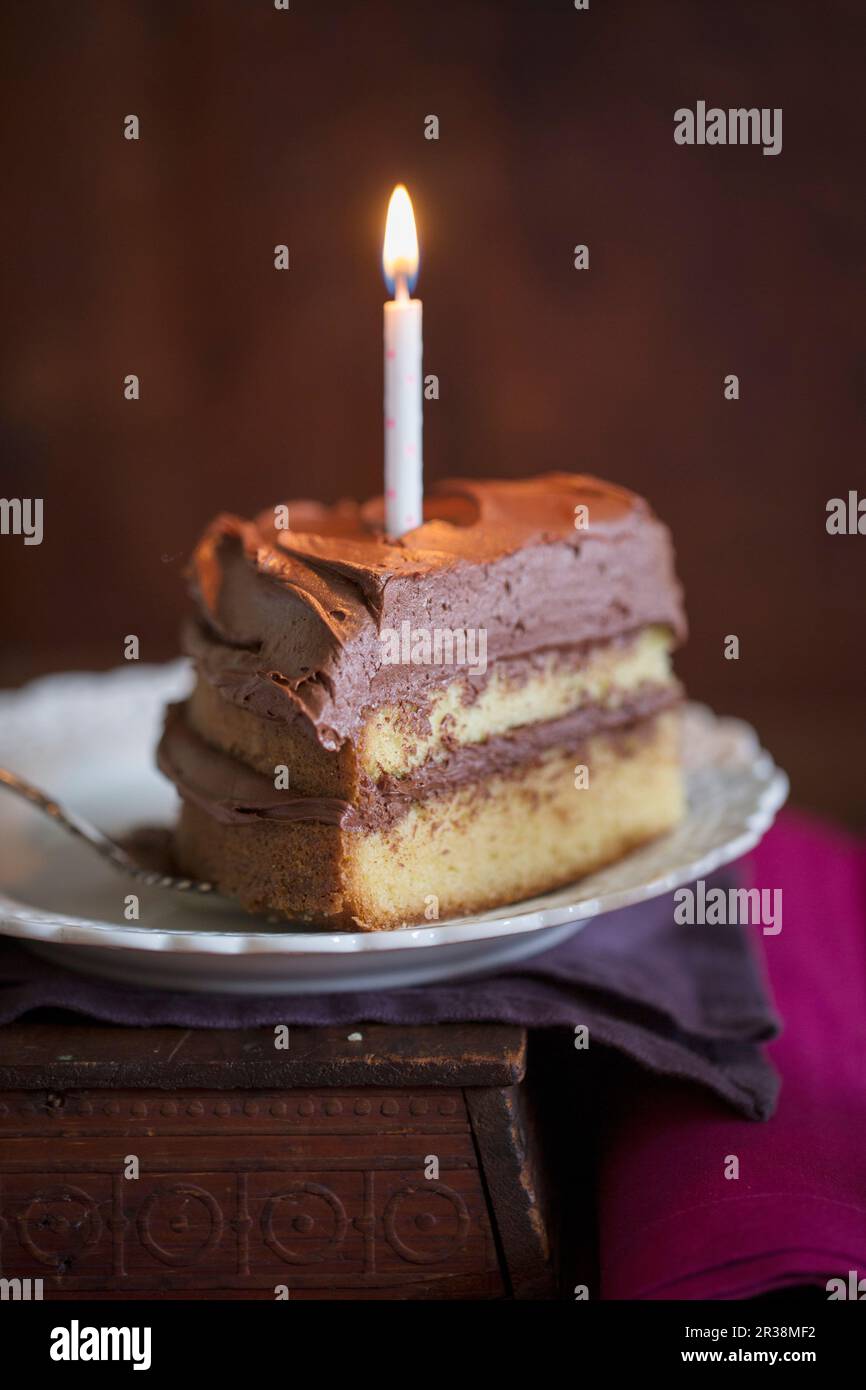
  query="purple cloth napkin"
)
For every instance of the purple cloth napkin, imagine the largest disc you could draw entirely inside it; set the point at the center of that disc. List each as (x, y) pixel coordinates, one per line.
(678, 1002)
(672, 1224)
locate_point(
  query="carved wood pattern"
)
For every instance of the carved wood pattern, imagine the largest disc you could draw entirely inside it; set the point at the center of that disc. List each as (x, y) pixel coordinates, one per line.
(244, 1191)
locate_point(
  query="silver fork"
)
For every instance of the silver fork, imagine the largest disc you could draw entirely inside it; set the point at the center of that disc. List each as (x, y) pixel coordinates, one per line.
(109, 850)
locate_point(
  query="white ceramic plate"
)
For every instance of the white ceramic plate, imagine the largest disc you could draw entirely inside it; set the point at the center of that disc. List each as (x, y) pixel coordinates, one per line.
(89, 740)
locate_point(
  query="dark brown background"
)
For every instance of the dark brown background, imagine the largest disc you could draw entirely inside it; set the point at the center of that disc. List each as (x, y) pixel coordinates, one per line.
(259, 127)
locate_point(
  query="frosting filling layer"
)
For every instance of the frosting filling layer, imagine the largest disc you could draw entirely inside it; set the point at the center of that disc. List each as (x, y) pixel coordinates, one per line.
(233, 793)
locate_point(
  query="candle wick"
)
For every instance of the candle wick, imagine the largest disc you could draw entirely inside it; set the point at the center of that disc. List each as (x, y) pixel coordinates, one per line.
(401, 288)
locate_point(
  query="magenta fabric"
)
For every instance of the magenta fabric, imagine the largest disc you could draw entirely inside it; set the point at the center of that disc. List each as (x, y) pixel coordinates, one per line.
(671, 1224)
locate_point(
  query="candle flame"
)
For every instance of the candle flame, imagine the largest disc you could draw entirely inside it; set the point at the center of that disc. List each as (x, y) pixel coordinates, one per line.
(400, 251)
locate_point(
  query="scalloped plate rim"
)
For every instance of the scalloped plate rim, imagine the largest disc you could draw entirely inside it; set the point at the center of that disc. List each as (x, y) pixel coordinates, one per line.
(20, 921)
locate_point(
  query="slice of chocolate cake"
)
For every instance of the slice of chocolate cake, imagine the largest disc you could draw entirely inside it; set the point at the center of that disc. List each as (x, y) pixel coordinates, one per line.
(386, 732)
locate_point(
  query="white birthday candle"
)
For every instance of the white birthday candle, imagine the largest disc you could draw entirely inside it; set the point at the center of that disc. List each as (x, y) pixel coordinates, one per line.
(403, 381)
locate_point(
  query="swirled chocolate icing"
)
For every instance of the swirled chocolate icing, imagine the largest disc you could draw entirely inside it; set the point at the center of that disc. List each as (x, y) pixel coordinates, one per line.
(290, 621)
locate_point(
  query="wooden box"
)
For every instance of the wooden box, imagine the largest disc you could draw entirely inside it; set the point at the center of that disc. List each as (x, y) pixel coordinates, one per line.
(374, 1162)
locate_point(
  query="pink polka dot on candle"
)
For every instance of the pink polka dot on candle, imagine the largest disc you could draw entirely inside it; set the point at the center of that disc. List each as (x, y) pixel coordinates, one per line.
(410, 380)
(390, 494)
(391, 354)
(410, 448)
(389, 424)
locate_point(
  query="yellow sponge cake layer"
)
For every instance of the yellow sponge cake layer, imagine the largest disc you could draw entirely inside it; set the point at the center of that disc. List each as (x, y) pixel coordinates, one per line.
(457, 715)
(509, 837)
(395, 740)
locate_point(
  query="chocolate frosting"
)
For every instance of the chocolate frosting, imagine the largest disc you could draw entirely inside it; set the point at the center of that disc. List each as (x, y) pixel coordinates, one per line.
(229, 790)
(289, 621)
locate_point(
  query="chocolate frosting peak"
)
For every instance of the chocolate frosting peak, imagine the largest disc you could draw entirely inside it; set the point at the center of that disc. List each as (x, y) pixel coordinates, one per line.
(290, 620)
(463, 519)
